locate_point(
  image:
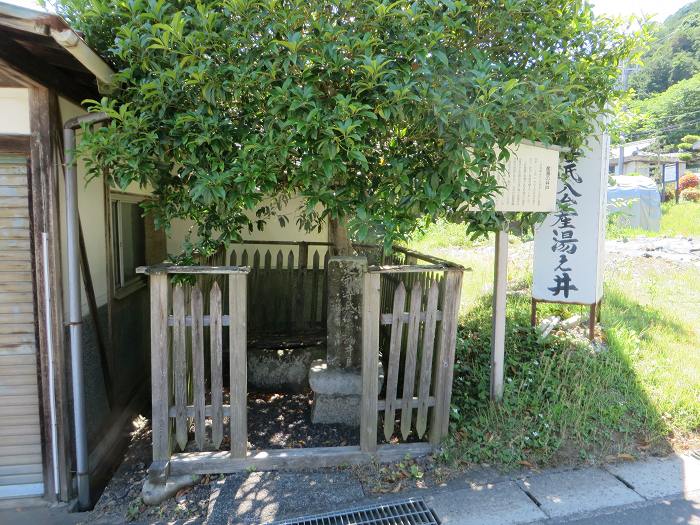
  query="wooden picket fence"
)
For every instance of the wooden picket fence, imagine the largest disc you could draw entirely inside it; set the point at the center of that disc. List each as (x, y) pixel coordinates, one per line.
(416, 304)
(417, 352)
(288, 285)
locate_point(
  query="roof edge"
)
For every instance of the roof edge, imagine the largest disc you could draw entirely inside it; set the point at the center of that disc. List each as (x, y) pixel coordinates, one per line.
(47, 24)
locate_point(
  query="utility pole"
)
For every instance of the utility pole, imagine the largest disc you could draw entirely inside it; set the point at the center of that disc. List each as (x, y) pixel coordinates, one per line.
(621, 155)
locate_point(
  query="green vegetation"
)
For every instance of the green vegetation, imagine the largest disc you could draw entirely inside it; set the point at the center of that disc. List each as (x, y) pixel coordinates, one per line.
(379, 114)
(666, 86)
(675, 55)
(676, 219)
(673, 113)
(564, 401)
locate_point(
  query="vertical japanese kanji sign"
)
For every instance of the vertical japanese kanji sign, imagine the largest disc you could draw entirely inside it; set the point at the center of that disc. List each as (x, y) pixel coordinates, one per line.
(570, 242)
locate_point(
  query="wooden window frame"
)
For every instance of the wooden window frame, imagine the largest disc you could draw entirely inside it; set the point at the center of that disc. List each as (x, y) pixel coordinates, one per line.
(136, 284)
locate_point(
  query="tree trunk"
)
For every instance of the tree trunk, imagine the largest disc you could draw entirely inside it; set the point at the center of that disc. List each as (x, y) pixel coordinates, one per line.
(339, 237)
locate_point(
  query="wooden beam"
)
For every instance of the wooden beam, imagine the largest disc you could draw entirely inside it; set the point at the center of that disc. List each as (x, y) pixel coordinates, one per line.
(45, 74)
(14, 144)
(292, 459)
(43, 183)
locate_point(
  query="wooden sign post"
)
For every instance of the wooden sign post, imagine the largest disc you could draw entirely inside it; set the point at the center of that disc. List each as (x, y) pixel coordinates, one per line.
(570, 243)
(530, 184)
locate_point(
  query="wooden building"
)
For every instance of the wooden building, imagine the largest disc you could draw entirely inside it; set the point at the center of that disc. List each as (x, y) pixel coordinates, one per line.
(46, 71)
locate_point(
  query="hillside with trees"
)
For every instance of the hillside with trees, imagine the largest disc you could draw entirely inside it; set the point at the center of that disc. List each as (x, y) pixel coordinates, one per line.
(667, 85)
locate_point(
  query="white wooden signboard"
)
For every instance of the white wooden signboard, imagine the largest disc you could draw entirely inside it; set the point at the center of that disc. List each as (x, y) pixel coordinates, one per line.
(530, 179)
(570, 243)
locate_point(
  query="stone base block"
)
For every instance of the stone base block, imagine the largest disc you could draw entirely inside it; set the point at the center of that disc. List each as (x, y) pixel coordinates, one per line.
(332, 409)
(281, 370)
(337, 393)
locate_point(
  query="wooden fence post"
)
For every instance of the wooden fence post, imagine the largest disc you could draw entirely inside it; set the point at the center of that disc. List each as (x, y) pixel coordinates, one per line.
(160, 375)
(238, 373)
(444, 373)
(498, 334)
(370, 362)
(300, 298)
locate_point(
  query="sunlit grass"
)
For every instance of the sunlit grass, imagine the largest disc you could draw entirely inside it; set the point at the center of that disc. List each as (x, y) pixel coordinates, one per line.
(563, 402)
(676, 219)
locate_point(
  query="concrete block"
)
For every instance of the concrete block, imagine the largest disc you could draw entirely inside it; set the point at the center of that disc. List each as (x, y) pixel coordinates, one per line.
(281, 370)
(156, 493)
(661, 477)
(489, 504)
(344, 319)
(577, 491)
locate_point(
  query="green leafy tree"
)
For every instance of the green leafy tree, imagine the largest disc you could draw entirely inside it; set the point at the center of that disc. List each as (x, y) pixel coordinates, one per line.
(669, 115)
(379, 114)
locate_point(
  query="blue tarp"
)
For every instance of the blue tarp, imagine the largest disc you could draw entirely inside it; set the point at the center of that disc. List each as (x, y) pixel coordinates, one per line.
(636, 201)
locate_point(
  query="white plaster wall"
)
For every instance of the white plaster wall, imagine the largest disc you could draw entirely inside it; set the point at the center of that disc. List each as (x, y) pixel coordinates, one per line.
(273, 230)
(14, 111)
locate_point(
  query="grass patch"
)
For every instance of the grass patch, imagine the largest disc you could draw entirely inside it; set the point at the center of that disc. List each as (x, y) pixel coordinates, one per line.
(565, 403)
(676, 219)
(443, 234)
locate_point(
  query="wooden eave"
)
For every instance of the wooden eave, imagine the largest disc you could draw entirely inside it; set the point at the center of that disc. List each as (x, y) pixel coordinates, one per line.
(29, 45)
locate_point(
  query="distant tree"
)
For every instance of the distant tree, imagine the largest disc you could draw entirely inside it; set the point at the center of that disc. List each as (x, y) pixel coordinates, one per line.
(669, 115)
(381, 114)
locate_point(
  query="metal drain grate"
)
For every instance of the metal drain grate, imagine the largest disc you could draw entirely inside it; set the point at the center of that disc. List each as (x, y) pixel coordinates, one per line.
(406, 512)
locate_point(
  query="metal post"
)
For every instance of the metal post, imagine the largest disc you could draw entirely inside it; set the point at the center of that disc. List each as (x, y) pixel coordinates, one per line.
(498, 335)
(75, 319)
(678, 169)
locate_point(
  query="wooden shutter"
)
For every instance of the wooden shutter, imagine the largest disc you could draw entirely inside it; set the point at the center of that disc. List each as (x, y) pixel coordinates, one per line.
(20, 432)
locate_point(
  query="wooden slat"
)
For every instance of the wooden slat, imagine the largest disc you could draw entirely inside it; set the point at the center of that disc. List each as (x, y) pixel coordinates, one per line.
(16, 339)
(16, 308)
(14, 222)
(315, 276)
(13, 319)
(198, 366)
(217, 385)
(293, 459)
(15, 245)
(16, 328)
(17, 360)
(13, 202)
(15, 266)
(426, 367)
(20, 430)
(18, 380)
(409, 375)
(8, 255)
(13, 470)
(238, 373)
(28, 439)
(20, 210)
(14, 191)
(20, 459)
(19, 410)
(17, 390)
(440, 420)
(394, 357)
(18, 370)
(370, 363)
(16, 287)
(14, 348)
(18, 480)
(7, 276)
(180, 366)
